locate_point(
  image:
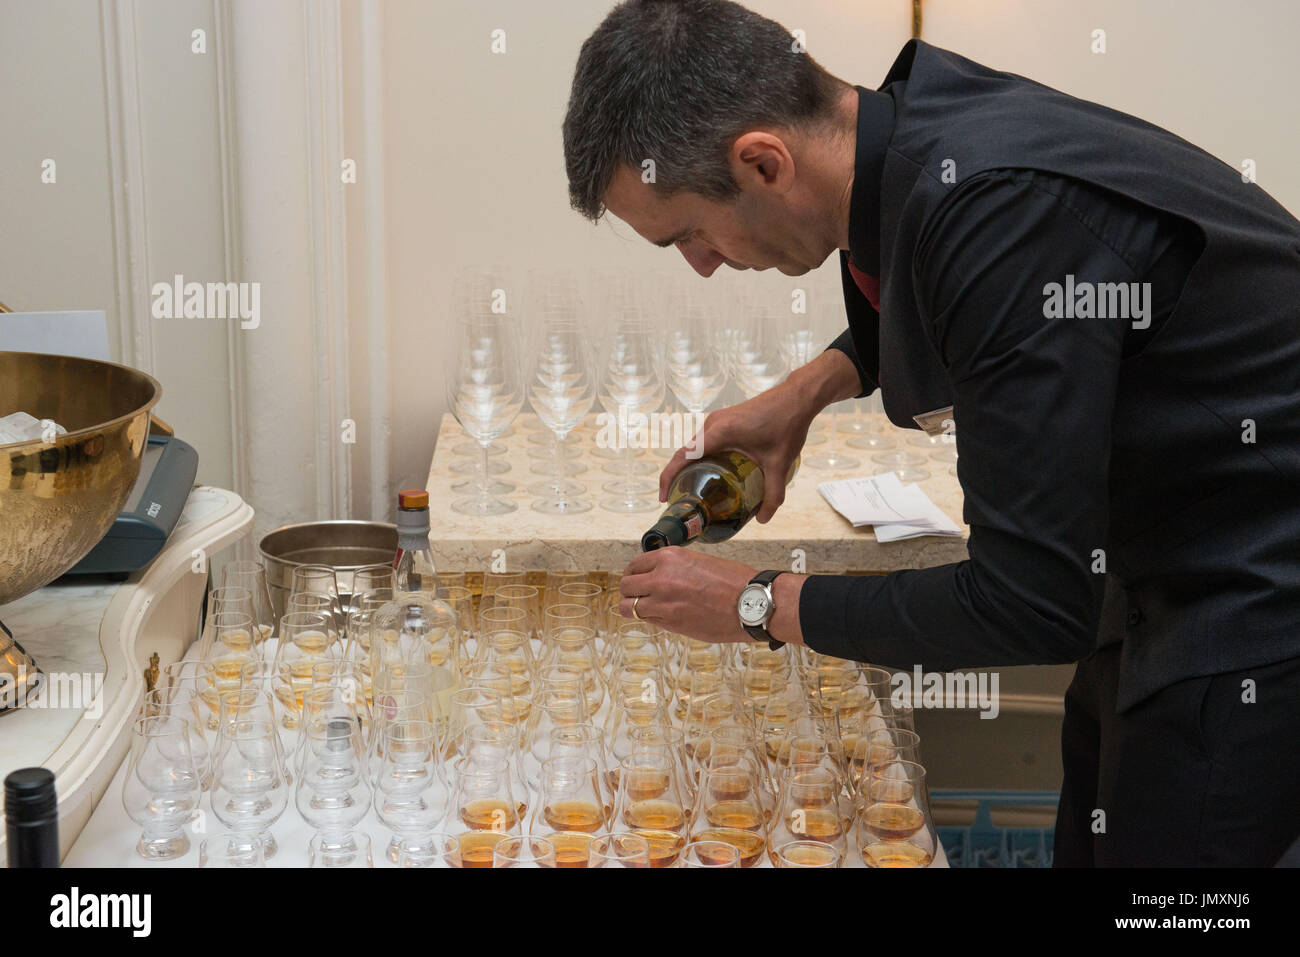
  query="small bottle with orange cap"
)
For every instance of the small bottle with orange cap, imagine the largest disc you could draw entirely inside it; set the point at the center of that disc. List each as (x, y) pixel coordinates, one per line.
(413, 564)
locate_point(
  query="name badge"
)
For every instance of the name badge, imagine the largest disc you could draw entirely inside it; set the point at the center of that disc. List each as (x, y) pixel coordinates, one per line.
(938, 422)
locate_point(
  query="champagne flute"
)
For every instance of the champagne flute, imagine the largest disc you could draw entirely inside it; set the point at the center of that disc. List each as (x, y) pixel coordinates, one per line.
(562, 391)
(484, 393)
(631, 387)
(694, 357)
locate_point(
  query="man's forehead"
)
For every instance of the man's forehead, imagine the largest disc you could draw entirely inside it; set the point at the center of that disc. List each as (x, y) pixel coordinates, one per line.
(656, 217)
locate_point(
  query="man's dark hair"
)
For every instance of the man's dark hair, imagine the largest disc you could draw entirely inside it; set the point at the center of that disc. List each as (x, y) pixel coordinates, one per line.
(676, 81)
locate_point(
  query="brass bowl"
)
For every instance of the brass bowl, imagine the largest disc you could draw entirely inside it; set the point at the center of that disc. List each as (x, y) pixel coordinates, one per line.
(57, 500)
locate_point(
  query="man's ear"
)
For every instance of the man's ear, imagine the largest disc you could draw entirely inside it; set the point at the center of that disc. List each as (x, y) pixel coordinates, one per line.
(760, 159)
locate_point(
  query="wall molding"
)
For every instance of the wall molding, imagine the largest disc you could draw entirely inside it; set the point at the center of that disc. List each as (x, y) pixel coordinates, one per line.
(322, 21)
(228, 142)
(375, 241)
(127, 186)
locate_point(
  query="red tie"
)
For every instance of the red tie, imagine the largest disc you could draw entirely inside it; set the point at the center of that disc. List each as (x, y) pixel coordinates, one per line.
(870, 286)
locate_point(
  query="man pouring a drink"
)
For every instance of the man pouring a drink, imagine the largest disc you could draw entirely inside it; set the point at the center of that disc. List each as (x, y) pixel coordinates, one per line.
(1154, 422)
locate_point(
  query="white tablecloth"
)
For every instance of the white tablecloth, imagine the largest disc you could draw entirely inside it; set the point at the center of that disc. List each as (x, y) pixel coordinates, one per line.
(110, 836)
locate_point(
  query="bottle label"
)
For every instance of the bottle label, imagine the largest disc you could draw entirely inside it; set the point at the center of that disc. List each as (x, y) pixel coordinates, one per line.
(694, 522)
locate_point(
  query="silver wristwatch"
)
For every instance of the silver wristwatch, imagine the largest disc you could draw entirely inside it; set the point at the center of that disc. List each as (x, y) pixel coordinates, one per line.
(756, 606)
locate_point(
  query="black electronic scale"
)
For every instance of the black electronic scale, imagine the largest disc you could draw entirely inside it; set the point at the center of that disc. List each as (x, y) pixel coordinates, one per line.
(167, 470)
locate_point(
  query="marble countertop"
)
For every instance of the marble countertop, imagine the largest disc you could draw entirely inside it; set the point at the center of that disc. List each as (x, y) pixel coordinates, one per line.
(61, 626)
(599, 539)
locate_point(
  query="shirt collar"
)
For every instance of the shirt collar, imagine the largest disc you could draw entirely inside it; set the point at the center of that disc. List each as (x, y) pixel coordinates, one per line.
(875, 128)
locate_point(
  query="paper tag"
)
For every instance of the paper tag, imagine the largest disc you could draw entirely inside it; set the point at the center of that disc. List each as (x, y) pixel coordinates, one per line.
(938, 422)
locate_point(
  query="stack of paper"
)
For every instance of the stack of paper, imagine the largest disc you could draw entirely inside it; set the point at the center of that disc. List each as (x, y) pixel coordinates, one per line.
(896, 511)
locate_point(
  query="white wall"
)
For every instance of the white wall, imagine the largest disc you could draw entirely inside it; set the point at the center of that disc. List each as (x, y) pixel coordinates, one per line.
(465, 168)
(476, 175)
(61, 69)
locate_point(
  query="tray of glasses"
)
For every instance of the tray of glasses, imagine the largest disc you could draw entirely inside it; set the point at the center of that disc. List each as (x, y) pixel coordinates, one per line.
(507, 729)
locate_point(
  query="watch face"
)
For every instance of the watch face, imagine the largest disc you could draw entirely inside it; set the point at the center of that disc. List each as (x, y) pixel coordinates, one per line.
(754, 605)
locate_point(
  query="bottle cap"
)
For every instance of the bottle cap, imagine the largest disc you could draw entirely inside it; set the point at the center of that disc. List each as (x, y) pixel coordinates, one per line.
(29, 795)
(413, 498)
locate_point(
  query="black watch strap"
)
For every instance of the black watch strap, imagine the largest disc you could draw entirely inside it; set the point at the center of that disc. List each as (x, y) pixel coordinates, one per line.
(758, 632)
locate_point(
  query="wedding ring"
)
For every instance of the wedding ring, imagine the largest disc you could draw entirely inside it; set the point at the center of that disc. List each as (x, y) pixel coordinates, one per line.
(634, 611)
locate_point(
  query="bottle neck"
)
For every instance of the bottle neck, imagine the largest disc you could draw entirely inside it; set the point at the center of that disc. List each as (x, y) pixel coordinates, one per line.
(412, 529)
(682, 521)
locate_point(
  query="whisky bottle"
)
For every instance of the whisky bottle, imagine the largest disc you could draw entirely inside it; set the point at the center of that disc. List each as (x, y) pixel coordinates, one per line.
(31, 818)
(413, 564)
(711, 499)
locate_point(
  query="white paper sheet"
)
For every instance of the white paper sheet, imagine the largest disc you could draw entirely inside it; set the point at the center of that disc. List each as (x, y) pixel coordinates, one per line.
(896, 511)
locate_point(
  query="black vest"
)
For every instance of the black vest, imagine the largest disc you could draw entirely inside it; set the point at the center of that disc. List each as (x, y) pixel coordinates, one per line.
(1204, 545)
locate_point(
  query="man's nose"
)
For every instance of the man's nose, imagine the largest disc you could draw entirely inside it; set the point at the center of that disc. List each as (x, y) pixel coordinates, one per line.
(703, 260)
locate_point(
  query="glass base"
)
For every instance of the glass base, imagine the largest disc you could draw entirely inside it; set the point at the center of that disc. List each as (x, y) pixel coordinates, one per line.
(634, 467)
(552, 467)
(472, 466)
(474, 450)
(946, 454)
(562, 488)
(604, 452)
(638, 497)
(872, 442)
(482, 506)
(163, 847)
(546, 453)
(832, 461)
(567, 506)
(470, 487)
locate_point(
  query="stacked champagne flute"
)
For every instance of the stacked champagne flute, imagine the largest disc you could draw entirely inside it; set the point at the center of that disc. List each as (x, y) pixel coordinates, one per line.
(562, 390)
(484, 389)
(532, 728)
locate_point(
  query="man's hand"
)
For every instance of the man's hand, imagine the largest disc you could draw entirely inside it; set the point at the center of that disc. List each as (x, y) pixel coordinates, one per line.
(687, 593)
(771, 428)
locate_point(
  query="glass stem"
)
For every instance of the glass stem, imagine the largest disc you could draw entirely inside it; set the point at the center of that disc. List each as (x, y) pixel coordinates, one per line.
(485, 487)
(558, 481)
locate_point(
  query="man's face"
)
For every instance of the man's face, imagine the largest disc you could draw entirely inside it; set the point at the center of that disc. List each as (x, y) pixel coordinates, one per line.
(755, 230)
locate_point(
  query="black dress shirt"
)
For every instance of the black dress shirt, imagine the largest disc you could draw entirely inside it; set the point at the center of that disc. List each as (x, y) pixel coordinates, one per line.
(1033, 397)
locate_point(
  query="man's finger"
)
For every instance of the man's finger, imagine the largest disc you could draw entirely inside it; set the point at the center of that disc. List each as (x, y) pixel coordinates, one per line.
(675, 465)
(773, 496)
(632, 585)
(645, 562)
(644, 608)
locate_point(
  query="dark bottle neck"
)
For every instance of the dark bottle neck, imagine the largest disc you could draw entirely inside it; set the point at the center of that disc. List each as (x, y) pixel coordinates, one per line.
(681, 522)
